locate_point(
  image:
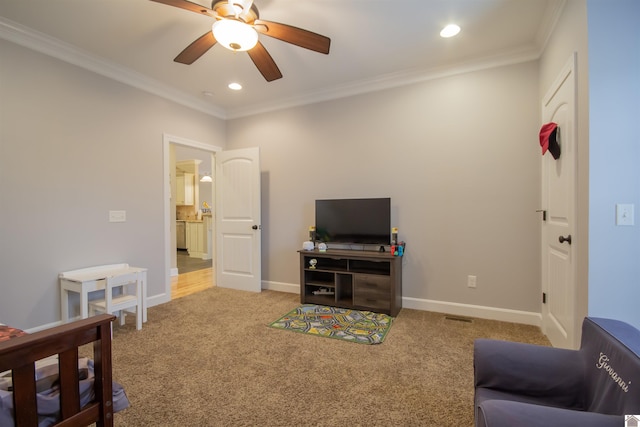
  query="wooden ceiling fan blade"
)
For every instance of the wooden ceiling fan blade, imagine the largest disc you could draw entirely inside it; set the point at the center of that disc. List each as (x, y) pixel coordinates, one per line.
(264, 62)
(187, 5)
(294, 35)
(196, 49)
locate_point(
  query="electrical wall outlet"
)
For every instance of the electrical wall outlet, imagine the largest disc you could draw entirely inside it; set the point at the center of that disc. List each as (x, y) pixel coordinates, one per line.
(471, 281)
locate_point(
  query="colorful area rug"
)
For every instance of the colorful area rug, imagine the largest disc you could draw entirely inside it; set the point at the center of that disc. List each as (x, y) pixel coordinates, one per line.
(363, 327)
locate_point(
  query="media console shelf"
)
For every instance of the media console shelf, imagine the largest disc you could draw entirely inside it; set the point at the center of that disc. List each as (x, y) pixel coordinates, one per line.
(352, 279)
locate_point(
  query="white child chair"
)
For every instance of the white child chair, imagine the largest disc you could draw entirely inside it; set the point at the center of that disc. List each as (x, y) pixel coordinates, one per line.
(119, 299)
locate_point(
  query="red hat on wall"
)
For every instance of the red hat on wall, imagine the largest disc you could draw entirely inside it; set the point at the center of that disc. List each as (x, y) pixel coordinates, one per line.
(549, 140)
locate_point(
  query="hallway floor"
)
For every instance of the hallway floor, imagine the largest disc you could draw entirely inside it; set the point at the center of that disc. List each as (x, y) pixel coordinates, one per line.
(187, 264)
(194, 275)
(192, 282)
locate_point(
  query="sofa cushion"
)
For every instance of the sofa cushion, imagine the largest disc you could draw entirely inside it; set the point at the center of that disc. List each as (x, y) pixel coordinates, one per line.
(528, 373)
(502, 413)
(484, 394)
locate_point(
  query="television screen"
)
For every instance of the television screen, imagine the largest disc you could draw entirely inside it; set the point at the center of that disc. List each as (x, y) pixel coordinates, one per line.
(360, 221)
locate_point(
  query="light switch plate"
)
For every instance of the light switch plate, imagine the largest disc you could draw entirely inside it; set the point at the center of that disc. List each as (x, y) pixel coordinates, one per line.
(117, 216)
(471, 281)
(624, 214)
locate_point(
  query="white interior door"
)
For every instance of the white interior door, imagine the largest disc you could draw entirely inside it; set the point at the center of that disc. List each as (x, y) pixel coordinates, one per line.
(559, 201)
(238, 229)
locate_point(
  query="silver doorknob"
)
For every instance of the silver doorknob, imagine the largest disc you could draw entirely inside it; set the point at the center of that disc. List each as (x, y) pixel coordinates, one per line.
(563, 239)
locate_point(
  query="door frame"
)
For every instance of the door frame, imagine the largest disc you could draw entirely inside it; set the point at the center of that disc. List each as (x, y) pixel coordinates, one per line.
(573, 336)
(167, 140)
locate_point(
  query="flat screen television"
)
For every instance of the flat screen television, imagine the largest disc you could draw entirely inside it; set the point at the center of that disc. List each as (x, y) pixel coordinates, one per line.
(354, 221)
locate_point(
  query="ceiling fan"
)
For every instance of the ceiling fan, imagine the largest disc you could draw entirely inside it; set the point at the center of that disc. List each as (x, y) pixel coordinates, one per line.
(236, 27)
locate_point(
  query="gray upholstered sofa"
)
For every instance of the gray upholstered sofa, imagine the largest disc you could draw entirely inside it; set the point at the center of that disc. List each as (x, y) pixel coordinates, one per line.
(520, 384)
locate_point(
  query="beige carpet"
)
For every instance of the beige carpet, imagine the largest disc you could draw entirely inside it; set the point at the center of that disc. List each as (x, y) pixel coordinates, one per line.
(210, 359)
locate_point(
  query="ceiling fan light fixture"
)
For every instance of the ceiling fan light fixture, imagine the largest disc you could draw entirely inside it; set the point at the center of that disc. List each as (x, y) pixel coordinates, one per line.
(234, 35)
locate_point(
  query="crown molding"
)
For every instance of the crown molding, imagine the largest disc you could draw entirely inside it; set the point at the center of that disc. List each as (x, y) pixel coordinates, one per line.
(42, 43)
(533, 52)
(47, 45)
(549, 21)
(390, 81)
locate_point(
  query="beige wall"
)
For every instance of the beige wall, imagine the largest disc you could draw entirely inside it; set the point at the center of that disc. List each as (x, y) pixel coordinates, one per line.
(458, 156)
(74, 145)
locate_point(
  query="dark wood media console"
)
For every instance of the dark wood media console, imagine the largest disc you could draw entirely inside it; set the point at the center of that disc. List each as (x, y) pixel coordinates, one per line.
(361, 280)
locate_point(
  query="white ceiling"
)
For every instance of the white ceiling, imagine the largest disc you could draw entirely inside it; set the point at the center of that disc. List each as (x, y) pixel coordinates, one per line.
(374, 44)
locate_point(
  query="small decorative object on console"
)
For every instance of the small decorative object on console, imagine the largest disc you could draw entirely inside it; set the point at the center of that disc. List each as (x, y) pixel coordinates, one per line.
(312, 264)
(307, 246)
(323, 291)
(398, 250)
(322, 247)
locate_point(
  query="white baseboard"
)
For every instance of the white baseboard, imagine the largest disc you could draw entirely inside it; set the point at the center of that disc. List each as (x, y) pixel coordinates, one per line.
(151, 301)
(281, 287)
(453, 308)
(173, 272)
(456, 309)
(158, 299)
(478, 311)
(49, 325)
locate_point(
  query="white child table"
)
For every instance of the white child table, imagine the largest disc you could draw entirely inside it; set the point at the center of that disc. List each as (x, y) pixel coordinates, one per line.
(91, 279)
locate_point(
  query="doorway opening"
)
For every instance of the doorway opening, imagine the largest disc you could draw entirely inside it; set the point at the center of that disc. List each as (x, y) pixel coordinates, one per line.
(189, 216)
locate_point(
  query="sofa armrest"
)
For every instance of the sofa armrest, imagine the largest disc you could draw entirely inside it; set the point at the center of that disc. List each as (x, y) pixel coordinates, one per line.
(503, 413)
(554, 374)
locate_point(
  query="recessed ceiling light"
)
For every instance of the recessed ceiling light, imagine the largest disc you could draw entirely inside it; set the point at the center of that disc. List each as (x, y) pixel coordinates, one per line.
(235, 86)
(450, 31)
